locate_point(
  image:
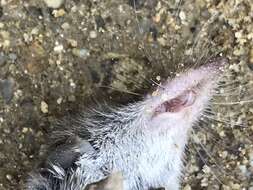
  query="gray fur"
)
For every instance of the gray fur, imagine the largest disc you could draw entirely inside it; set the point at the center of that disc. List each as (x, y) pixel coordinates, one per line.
(118, 140)
(147, 147)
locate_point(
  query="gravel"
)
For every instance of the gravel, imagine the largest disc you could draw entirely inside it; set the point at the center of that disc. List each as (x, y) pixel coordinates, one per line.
(56, 56)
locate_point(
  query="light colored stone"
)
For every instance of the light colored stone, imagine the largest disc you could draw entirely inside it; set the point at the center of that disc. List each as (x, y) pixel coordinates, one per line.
(65, 26)
(54, 3)
(9, 177)
(59, 13)
(93, 34)
(1, 25)
(58, 48)
(251, 56)
(82, 53)
(25, 130)
(72, 42)
(187, 187)
(59, 100)
(44, 107)
(182, 15)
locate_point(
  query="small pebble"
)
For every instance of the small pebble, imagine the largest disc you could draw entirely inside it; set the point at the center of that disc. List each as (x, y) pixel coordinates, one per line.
(162, 41)
(5, 34)
(251, 59)
(236, 186)
(182, 15)
(2, 59)
(222, 134)
(59, 13)
(59, 100)
(58, 48)
(54, 3)
(206, 169)
(243, 169)
(35, 31)
(187, 187)
(44, 107)
(65, 26)
(82, 53)
(6, 89)
(9, 177)
(72, 42)
(12, 56)
(25, 130)
(5, 41)
(93, 34)
(72, 98)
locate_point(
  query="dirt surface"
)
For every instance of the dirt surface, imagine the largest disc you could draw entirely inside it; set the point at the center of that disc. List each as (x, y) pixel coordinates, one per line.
(53, 60)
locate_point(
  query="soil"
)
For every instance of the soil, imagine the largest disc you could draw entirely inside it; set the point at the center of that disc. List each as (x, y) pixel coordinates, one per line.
(55, 61)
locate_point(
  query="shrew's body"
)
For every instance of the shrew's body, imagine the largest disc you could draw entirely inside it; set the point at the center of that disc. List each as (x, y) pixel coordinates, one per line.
(144, 141)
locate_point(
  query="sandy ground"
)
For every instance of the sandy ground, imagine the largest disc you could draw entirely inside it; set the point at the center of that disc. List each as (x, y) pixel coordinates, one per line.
(53, 60)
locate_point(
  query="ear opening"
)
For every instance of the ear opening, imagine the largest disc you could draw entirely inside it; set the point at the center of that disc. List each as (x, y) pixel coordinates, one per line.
(176, 104)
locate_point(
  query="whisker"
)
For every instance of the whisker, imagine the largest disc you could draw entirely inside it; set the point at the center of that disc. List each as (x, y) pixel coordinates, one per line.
(178, 8)
(205, 162)
(233, 103)
(213, 137)
(123, 79)
(159, 85)
(216, 114)
(235, 94)
(211, 157)
(239, 87)
(141, 44)
(222, 121)
(124, 91)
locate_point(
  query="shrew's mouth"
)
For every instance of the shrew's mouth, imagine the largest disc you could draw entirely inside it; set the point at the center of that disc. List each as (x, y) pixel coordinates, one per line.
(199, 81)
(186, 99)
(182, 101)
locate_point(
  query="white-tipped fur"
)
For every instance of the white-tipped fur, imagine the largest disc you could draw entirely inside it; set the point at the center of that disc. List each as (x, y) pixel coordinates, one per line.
(134, 154)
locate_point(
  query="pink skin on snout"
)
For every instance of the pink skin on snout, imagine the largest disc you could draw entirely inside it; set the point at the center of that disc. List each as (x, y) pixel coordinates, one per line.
(181, 101)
